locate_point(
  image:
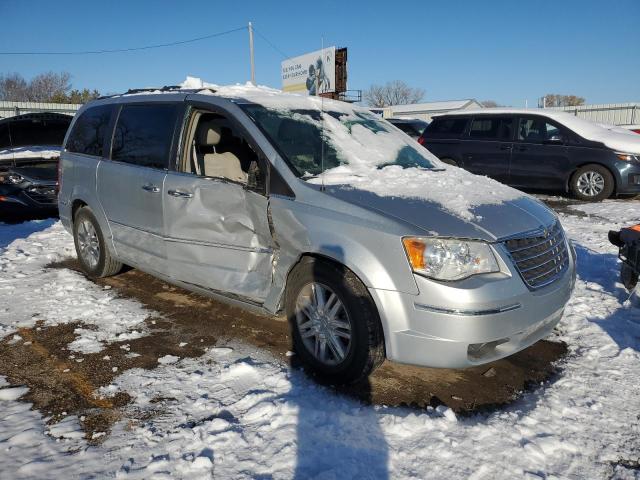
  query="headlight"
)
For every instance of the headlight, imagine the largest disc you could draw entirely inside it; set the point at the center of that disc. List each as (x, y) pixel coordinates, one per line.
(449, 259)
(12, 178)
(628, 157)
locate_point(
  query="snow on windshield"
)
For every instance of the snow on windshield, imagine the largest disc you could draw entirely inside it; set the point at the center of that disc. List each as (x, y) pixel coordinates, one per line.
(369, 150)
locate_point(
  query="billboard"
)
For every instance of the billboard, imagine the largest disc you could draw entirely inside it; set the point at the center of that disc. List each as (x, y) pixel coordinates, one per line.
(312, 73)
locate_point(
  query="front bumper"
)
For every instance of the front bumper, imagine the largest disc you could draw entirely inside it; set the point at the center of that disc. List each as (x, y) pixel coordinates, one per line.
(468, 323)
(628, 178)
(18, 202)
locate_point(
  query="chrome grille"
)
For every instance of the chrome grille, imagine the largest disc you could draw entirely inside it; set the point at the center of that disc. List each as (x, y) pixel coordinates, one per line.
(541, 258)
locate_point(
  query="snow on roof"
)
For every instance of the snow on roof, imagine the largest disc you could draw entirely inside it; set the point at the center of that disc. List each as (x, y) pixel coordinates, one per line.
(363, 152)
(434, 106)
(612, 136)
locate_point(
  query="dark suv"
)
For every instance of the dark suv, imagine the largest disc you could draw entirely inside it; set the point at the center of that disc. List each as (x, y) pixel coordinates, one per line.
(546, 149)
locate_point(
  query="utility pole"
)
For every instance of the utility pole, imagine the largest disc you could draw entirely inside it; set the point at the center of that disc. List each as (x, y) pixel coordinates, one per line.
(253, 68)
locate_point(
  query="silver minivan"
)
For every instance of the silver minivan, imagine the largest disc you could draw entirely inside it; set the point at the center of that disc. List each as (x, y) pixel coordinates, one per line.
(318, 210)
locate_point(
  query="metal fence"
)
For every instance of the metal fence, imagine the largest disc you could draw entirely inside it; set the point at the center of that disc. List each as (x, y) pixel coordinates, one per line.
(11, 109)
(623, 114)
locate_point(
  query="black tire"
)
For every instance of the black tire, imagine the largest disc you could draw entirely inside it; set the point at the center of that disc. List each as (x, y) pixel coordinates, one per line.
(607, 189)
(449, 161)
(106, 265)
(366, 351)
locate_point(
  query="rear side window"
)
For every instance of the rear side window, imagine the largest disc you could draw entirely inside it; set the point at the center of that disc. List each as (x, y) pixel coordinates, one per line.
(89, 134)
(446, 127)
(143, 135)
(537, 130)
(491, 128)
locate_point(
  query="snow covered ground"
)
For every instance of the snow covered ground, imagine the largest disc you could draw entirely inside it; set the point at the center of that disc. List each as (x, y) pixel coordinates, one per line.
(239, 413)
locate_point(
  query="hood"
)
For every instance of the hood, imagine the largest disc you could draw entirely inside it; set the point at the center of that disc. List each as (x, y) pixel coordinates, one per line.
(490, 223)
(618, 141)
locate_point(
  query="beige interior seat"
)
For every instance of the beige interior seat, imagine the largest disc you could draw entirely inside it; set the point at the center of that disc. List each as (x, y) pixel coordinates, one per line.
(222, 165)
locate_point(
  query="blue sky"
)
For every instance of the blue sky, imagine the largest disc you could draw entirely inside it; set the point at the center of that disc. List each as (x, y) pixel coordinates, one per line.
(508, 51)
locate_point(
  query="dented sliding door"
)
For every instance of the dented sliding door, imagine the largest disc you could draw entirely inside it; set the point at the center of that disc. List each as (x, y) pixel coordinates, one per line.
(217, 235)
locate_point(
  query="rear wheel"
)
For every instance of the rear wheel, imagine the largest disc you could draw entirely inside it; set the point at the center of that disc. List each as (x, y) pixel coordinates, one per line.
(592, 183)
(94, 258)
(335, 325)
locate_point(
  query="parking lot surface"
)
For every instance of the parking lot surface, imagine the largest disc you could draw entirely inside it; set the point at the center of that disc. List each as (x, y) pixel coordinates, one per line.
(138, 377)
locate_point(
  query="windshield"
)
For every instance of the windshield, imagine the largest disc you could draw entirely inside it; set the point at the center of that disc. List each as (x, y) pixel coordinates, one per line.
(313, 141)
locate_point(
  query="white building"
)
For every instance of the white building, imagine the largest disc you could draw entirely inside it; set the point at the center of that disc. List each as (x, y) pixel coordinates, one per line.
(424, 111)
(625, 115)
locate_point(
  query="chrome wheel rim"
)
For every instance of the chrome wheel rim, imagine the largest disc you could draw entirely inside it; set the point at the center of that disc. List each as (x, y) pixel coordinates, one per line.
(88, 244)
(590, 183)
(323, 323)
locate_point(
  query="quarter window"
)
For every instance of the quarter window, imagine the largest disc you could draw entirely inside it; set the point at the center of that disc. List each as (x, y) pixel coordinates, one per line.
(487, 128)
(536, 130)
(143, 135)
(90, 131)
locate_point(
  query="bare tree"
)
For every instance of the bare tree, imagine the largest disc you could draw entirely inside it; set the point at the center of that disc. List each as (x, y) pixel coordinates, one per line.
(13, 87)
(47, 86)
(557, 100)
(489, 104)
(395, 92)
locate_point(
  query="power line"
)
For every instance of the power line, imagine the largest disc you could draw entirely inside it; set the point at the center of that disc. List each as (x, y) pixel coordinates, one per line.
(132, 49)
(271, 44)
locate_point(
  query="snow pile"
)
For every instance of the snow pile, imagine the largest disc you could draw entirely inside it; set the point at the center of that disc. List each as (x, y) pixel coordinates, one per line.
(58, 296)
(46, 152)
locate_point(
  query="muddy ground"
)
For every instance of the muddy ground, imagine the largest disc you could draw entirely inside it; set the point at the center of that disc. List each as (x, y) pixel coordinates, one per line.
(62, 382)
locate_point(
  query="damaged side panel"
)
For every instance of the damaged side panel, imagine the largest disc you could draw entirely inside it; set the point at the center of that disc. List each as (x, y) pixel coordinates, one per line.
(218, 236)
(303, 229)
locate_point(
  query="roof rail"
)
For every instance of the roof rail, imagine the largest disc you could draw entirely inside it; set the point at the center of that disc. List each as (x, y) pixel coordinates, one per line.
(166, 88)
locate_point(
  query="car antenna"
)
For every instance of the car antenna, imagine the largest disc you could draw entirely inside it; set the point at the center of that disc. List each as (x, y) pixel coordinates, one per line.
(321, 117)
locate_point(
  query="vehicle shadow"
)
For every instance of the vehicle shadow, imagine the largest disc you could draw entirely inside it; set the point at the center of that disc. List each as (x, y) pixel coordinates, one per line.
(12, 229)
(334, 441)
(602, 270)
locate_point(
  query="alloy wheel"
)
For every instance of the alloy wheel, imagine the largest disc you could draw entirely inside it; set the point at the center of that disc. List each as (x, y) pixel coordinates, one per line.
(590, 184)
(323, 323)
(88, 244)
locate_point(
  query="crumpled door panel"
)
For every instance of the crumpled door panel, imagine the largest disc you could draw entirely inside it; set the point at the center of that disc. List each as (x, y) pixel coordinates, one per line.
(218, 238)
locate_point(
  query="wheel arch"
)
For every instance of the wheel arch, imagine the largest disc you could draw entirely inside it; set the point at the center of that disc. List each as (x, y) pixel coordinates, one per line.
(317, 256)
(585, 164)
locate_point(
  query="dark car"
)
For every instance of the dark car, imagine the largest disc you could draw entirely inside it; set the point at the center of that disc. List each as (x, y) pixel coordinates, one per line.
(411, 126)
(29, 151)
(547, 150)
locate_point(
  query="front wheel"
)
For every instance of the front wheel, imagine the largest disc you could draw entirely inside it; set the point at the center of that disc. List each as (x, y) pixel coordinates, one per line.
(94, 257)
(334, 323)
(592, 183)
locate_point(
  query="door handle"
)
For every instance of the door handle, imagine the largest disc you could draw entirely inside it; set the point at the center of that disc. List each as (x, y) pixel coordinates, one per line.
(179, 194)
(505, 147)
(151, 188)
